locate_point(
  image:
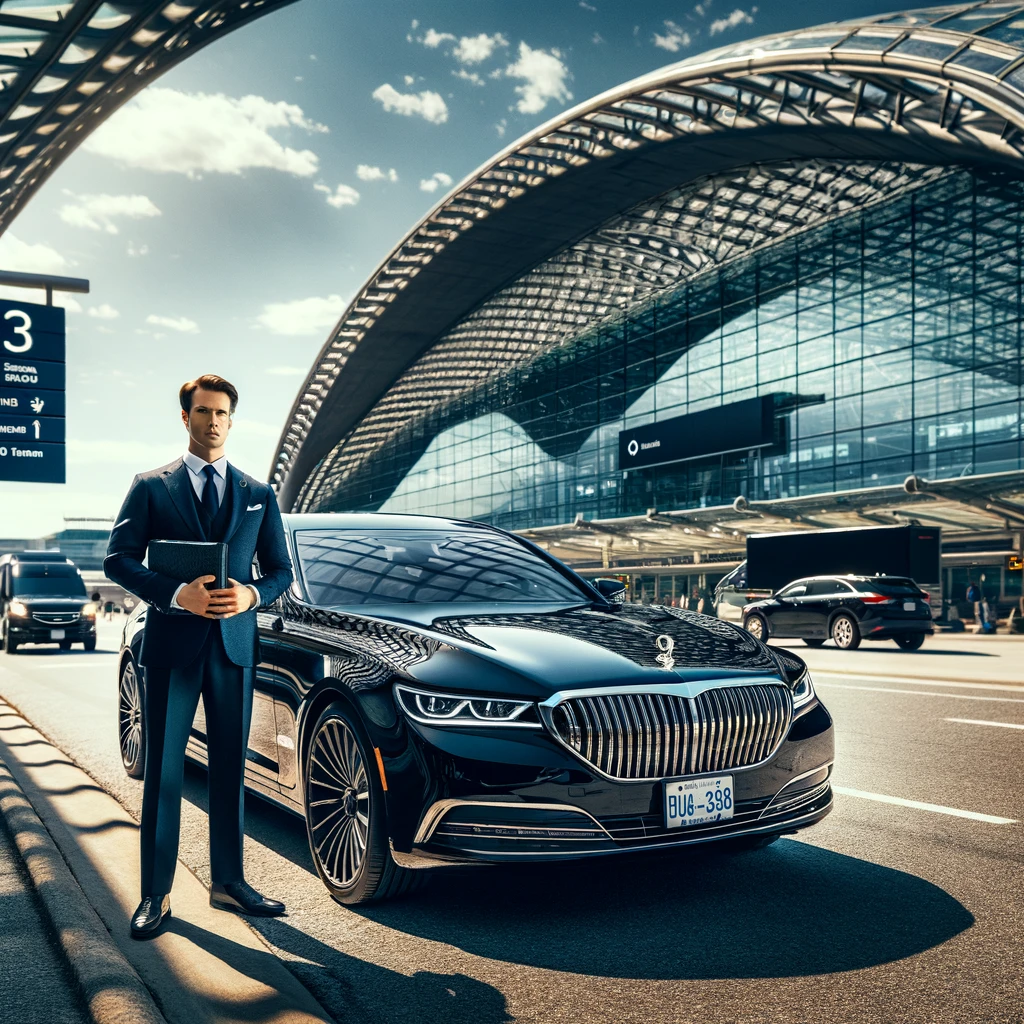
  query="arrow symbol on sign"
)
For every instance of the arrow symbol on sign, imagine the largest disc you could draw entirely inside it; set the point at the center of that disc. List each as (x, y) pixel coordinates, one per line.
(35, 423)
(37, 405)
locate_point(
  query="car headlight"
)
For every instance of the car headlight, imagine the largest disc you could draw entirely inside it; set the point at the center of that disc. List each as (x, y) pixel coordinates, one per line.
(803, 690)
(17, 609)
(451, 709)
(89, 610)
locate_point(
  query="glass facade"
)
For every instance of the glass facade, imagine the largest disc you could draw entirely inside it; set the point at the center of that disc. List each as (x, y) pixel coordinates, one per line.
(889, 338)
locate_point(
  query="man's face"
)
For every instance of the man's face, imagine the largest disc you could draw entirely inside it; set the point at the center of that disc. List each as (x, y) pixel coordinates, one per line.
(209, 420)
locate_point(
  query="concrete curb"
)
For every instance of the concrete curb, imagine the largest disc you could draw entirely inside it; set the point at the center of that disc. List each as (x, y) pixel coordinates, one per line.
(109, 985)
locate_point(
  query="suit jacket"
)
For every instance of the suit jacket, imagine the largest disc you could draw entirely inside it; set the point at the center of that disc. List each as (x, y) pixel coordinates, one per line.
(161, 506)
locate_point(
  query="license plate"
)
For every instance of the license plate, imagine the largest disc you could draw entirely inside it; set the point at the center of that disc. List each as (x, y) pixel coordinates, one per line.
(56, 634)
(698, 801)
(910, 606)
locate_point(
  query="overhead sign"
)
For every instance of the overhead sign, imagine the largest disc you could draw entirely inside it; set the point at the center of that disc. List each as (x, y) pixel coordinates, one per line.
(738, 426)
(32, 383)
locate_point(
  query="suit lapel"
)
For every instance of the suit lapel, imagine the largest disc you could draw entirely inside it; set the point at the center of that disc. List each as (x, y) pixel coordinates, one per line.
(239, 490)
(179, 487)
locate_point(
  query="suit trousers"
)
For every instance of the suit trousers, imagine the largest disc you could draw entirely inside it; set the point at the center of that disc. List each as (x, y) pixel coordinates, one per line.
(172, 697)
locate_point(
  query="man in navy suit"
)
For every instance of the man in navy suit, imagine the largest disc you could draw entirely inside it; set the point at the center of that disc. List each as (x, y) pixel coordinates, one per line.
(199, 641)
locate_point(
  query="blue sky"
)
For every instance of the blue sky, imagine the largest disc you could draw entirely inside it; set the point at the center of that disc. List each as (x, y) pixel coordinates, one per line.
(227, 214)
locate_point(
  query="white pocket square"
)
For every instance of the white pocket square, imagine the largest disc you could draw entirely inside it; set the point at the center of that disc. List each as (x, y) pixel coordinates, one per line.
(253, 508)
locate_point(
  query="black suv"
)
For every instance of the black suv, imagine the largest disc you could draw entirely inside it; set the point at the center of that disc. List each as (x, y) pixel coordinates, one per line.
(42, 601)
(846, 609)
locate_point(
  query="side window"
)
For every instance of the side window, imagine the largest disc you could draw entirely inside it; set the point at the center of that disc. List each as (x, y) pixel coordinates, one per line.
(796, 591)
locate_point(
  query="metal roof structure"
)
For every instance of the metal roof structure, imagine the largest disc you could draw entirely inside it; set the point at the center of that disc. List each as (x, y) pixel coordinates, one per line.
(636, 190)
(67, 66)
(988, 509)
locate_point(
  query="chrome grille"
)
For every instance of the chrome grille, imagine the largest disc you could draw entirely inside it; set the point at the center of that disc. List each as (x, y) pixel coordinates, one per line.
(56, 618)
(657, 735)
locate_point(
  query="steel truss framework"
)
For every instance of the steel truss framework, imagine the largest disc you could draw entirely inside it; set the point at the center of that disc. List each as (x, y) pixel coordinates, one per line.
(66, 66)
(641, 188)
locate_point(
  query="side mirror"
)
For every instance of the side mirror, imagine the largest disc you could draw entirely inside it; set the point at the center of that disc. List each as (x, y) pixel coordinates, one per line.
(613, 591)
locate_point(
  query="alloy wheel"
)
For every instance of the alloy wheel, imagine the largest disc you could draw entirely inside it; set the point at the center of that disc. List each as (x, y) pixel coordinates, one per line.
(755, 627)
(129, 721)
(844, 632)
(339, 802)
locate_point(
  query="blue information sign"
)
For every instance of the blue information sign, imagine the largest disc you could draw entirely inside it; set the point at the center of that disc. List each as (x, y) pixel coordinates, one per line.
(32, 382)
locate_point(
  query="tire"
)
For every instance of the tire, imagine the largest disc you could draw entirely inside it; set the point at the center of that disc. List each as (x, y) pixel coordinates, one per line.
(757, 626)
(65, 645)
(9, 645)
(346, 815)
(90, 644)
(131, 720)
(845, 632)
(814, 643)
(909, 641)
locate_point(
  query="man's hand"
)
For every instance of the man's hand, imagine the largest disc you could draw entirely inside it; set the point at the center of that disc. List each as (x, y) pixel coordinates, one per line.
(195, 598)
(225, 603)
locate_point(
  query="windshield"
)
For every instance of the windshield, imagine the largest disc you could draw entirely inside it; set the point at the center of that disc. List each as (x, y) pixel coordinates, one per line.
(343, 568)
(48, 586)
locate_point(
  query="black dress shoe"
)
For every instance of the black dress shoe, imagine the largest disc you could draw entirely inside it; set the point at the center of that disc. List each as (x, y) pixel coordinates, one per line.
(148, 919)
(242, 898)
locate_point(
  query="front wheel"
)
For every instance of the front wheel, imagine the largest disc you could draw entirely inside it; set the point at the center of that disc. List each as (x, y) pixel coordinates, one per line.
(90, 644)
(65, 645)
(346, 819)
(910, 641)
(131, 722)
(9, 645)
(845, 632)
(757, 627)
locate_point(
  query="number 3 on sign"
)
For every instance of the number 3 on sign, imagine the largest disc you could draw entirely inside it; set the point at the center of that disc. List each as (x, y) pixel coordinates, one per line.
(23, 330)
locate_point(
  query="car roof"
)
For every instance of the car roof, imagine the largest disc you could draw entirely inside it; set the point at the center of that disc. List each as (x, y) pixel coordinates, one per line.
(848, 577)
(50, 557)
(374, 521)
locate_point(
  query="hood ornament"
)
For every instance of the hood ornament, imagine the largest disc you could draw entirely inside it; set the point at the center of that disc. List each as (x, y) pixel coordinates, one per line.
(666, 645)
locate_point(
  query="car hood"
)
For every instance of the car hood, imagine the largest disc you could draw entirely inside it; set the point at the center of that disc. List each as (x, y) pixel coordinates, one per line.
(53, 604)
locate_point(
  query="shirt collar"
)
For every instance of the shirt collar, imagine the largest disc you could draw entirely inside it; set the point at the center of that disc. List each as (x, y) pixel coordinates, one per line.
(197, 465)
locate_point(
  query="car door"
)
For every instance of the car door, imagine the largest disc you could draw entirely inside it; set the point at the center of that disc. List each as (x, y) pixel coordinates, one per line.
(815, 608)
(785, 615)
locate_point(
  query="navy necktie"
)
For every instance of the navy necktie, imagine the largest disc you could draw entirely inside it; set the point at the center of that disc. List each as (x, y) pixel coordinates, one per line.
(210, 500)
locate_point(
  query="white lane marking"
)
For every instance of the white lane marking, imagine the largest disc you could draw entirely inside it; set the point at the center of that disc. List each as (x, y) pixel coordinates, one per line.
(978, 721)
(921, 693)
(921, 682)
(955, 812)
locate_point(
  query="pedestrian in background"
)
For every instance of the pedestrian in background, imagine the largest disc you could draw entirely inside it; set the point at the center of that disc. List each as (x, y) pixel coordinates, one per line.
(975, 598)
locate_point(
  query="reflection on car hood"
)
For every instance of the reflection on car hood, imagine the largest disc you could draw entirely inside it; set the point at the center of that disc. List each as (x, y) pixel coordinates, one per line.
(43, 603)
(595, 644)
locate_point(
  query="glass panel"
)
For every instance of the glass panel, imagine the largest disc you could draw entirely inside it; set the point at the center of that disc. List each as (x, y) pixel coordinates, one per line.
(980, 60)
(928, 48)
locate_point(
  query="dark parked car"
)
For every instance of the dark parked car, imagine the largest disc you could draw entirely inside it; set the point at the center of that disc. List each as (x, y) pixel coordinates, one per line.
(42, 601)
(436, 692)
(846, 608)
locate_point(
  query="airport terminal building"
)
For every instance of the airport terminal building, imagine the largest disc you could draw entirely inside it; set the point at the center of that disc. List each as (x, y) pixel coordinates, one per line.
(775, 286)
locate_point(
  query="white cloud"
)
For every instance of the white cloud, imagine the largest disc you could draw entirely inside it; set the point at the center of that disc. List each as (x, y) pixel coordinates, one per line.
(469, 76)
(676, 38)
(501, 126)
(302, 316)
(409, 79)
(343, 195)
(737, 17)
(476, 49)
(366, 172)
(34, 258)
(586, 6)
(181, 324)
(543, 75)
(104, 312)
(434, 39)
(286, 371)
(435, 181)
(137, 250)
(428, 105)
(191, 133)
(99, 212)
(597, 39)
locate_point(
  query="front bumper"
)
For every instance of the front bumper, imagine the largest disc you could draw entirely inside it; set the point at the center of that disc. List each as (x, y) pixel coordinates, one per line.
(485, 812)
(28, 632)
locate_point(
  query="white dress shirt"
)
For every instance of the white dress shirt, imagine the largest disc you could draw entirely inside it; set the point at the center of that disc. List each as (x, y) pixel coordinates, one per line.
(195, 466)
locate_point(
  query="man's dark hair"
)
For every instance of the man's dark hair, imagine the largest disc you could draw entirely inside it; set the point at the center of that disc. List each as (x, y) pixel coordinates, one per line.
(208, 382)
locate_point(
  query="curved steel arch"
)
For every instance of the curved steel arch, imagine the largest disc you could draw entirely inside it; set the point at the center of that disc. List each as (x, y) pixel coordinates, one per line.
(932, 87)
(67, 66)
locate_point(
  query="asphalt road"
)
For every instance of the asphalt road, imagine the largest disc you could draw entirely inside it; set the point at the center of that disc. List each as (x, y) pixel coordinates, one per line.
(897, 907)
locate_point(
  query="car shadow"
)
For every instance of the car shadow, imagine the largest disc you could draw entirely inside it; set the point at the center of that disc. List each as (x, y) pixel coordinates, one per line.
(790, 910)
(826, 650)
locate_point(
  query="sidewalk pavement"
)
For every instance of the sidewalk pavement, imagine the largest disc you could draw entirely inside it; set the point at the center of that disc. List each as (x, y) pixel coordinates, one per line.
(80, 847)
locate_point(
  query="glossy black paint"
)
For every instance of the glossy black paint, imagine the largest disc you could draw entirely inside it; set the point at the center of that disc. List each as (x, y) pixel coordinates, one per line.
(312, 657)
(806, 609)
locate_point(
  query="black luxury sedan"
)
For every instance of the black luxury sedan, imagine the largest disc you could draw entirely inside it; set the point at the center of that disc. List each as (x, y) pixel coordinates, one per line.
(437, 692)
(846, 608)
(43, 601)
